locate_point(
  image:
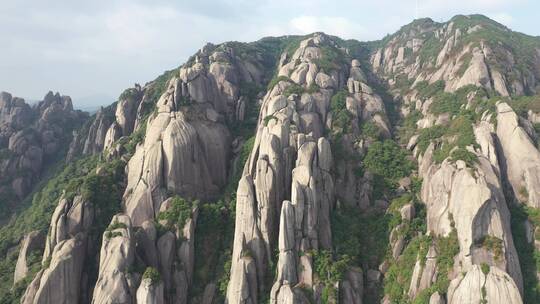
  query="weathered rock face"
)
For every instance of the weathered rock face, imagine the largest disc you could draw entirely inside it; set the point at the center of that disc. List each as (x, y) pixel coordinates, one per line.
(424, 275)
(352, 289)
(96, 134)
(64, 255)
(475, 286)
(15, 114)
(29, 138)
(520, 158)
(445, 190)
(187, 143)
(111, 123)
(61, 281)
(126, 110)
(115, 284)
(151, 293)
(33, 241)
(288, 133)
(71, 217)
(190, 154)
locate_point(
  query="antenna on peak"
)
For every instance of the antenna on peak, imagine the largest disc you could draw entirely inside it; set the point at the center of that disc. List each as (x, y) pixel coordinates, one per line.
(416, 11)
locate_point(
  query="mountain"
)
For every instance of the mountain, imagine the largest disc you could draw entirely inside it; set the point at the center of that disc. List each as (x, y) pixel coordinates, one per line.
(294, 169)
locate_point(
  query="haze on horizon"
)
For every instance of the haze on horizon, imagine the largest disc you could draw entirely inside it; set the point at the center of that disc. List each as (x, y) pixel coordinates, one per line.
(92, 50)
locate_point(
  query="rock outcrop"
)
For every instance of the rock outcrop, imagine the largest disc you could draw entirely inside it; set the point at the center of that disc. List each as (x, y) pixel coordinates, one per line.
(445, 190)
(520, 158)
(33, 241)
(187, 139)
(115, 283)
(65, 254)
(288, 185)
(61, 281)
(150, 292)
(31, 138)
(190, 153)
(478, 287)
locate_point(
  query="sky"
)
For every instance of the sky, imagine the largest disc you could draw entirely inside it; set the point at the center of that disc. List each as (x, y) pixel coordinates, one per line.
(93, 50)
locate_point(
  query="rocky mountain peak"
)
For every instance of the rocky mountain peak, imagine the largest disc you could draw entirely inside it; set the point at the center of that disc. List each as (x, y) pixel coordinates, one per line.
(30, 137)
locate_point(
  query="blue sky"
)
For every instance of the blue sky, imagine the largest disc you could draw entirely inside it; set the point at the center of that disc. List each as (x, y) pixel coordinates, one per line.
(92, 50)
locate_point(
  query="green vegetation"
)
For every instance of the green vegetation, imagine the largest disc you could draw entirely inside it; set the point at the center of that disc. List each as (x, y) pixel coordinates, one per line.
(42, 203)
(502, 40)
(458, 135)
(152, 274)
(341, 119)
(215, 232)
(465, 62)
(427, 90)
(348, 231)
(398, 277)
(408, 126)
(522, 104)
(177, 214)
(130, 93)
(7, 266)
(388, 163)
(371, 130)
(465, 155)
(268, 118)
(529, 257)
(331, 59)
(430, 49)
(276, 80)
(427, 135)
(76, 177)
(158, 87)
(213, 239)
(295, 89)
(485, 268)
(447, 249)
(329, 271)
(247, 127)
(230, 189)
(483, 294)
(388, 160)
(110, 233)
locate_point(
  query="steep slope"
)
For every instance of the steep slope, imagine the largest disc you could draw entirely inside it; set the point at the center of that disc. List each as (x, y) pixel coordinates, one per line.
(459, 130)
